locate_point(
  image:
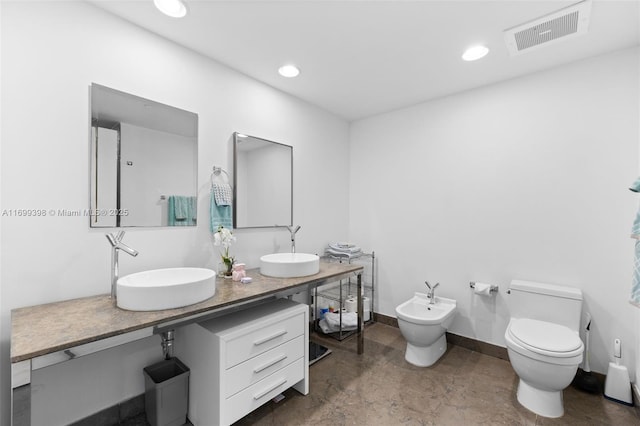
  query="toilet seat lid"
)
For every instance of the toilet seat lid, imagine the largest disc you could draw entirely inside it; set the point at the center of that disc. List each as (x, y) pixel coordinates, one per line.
(544, 337)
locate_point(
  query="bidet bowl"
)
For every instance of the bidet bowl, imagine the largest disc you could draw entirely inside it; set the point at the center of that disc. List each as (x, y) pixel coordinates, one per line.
(417, 310)
(289, 265)
(169, 288)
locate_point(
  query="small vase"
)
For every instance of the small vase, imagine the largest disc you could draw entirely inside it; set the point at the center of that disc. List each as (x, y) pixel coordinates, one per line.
(224, 271)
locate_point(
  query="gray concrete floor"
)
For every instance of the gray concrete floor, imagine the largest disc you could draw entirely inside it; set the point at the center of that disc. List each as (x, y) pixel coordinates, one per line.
(380, 388)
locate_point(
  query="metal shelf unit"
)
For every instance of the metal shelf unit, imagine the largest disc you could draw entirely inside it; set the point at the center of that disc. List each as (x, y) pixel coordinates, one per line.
(339, 291)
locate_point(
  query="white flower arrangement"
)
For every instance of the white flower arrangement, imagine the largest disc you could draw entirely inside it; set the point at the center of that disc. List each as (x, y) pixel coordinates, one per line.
(223, 237)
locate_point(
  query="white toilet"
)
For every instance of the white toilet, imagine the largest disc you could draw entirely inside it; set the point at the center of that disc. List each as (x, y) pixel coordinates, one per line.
(423, 325)
(543, 342)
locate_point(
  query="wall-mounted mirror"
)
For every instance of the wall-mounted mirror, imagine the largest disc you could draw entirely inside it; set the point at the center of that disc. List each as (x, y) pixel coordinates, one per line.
(262, 183)
(144, 162)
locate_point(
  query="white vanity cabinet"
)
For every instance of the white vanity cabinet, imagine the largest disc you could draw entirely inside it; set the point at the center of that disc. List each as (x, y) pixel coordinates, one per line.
(242, 360)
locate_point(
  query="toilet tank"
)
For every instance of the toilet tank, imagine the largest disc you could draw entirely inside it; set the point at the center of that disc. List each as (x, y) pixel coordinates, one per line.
(545, 302)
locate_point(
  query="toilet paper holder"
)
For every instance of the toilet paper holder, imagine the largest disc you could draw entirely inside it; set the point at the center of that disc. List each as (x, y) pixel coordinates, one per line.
(492, 288)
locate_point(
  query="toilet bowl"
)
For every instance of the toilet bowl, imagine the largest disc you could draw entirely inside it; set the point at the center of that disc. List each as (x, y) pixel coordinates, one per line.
(546, 357)
(423, 325)
(544, 353)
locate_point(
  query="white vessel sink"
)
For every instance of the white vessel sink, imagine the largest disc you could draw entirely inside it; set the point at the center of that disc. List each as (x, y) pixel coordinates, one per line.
(165, 288)
(289, 265)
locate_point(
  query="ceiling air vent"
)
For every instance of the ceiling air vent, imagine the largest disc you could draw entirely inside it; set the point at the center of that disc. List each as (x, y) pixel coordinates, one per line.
(561, 25)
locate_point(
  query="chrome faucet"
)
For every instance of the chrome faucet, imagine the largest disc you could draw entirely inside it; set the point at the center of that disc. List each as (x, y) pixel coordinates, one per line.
(432, 290)
(115, 240)
(293, 231)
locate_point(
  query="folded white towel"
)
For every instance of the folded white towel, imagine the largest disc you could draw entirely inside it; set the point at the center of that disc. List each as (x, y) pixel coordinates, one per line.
(345, 247)
(349, 320)
(325, 327)
(333, 328)
(223, 194)
(336, 253)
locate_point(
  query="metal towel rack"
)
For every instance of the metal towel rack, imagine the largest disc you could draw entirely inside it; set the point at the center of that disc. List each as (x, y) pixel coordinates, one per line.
(218, 171)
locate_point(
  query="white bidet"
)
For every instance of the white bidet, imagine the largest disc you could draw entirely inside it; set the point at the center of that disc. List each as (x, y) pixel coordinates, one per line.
(423, 325)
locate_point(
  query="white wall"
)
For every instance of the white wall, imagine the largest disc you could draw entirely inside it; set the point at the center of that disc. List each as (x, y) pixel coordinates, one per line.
(267, 203)
(51, 53)
(262, 202)
(524, 179)
(162, 164)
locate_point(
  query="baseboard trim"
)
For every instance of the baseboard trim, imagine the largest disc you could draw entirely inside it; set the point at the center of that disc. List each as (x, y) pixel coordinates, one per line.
(384, 319)
(478, 346)
(454, 339)
(636, 398)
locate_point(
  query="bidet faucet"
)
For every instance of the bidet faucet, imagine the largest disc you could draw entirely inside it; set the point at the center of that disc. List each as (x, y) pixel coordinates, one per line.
(293, 231)
(432, 290)
(115, 240)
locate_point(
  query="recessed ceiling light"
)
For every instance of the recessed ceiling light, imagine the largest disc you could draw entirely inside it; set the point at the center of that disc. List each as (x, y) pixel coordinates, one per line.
(289, 71)
(173, 8)
(475, 52)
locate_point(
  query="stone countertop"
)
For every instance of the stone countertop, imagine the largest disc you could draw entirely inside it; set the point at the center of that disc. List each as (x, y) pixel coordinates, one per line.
(43, 329)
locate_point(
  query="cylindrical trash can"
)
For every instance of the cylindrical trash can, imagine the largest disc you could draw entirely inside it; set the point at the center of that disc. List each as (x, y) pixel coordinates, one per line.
(167, 393)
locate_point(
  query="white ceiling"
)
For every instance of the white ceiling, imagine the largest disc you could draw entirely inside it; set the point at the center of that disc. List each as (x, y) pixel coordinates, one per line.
(360, 58)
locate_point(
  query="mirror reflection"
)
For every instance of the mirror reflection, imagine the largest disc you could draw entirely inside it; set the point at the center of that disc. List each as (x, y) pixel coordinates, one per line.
(263, 183)
(144, 158)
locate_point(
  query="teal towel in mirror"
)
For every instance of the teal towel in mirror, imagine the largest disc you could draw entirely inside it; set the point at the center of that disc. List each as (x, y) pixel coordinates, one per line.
(635, 285)
(635, 228)
(220, 215)
(635, 233)
(182, 210)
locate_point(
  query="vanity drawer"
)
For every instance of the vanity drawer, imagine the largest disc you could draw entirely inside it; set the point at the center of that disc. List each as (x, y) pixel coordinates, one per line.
(259, 393)
(263, 365)
(243, 347)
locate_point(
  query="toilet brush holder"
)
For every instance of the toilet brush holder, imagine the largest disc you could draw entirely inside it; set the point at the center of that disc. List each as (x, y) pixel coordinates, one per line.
(617, 386)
